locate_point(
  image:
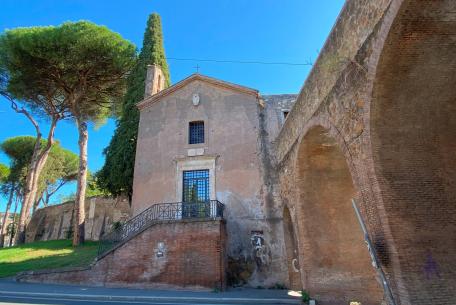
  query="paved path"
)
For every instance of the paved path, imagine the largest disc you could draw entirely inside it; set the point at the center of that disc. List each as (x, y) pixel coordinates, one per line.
(24, 293)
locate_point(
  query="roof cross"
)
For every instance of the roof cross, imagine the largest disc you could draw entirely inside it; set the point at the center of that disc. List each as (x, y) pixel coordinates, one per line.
(197, 67)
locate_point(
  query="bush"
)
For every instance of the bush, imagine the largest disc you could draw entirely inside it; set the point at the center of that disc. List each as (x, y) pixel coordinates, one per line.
(305, 297)
(116, 226)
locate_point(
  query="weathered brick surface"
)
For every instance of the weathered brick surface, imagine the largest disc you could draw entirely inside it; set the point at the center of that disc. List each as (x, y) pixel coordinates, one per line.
(193, 256)
(383, 94)
(56, 221)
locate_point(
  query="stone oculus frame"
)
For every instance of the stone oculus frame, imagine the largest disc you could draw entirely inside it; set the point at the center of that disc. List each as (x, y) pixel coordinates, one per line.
(195, 163)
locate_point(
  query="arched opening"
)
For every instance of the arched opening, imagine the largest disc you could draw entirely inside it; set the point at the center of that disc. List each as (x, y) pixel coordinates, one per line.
(413, 132)
(291, 245)
(335, 260)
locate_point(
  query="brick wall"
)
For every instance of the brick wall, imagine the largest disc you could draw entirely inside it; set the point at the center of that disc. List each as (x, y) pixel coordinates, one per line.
(56, 221)
(384, 90)
(175, 254)
(335, 259)
(413, 135)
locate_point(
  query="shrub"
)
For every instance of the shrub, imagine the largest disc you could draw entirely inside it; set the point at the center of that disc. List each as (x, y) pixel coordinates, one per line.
(305, 297)
(116, 226)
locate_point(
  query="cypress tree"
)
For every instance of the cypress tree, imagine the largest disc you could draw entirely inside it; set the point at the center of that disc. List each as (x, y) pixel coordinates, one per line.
(116, 176)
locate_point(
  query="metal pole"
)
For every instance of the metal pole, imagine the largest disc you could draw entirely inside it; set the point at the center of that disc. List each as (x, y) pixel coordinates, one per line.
(373, 255)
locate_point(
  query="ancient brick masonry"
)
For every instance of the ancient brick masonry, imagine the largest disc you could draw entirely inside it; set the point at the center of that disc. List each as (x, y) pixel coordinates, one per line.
(170, 254)
(376, 121)
(56, 221)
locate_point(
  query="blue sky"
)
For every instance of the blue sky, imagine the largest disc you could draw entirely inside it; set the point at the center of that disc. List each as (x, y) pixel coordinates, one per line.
(246, 30)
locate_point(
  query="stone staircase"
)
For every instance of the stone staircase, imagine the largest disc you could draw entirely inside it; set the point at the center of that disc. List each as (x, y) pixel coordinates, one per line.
(159, 212)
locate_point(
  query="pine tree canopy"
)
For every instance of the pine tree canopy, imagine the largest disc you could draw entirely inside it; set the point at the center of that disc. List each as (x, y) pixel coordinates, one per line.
(4, 172)
(62, 164)
(44, 66)
(116, 176)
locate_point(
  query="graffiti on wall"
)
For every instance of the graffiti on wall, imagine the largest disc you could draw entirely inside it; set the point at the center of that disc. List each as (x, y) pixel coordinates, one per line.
(260, 251)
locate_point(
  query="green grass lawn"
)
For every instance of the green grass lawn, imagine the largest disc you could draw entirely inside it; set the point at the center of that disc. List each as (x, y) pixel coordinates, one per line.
(45, 255)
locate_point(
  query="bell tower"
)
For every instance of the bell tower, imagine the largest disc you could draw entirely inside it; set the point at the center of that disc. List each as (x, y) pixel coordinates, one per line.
(155, 80)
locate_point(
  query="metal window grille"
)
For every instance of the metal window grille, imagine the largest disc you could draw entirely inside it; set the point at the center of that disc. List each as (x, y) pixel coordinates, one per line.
(196, 132)
(196, 186)
(195, 194)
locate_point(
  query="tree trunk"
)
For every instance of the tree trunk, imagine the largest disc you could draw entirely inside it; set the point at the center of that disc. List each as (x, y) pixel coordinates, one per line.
(5, 217)
(46, 199)
(28, 190)
(14, 219)
(39, 158)
(79, 208)
(36, 203)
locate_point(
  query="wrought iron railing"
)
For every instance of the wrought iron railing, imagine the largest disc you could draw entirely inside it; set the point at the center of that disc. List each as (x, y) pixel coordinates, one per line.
(158, 212)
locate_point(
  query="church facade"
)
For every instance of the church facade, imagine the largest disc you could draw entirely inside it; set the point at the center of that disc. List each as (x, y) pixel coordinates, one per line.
(206, 208)
(207, 140)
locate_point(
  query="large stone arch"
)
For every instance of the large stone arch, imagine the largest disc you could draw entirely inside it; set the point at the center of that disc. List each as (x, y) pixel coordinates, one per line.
(336, 266)
(412, 132)
(384, 87)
